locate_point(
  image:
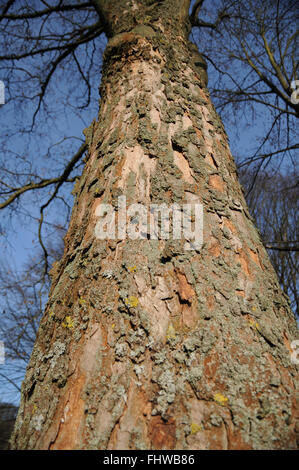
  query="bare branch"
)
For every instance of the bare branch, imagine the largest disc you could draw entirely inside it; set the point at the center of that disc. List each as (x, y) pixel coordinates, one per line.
(37, 14)
(64, 177)
(270, 246)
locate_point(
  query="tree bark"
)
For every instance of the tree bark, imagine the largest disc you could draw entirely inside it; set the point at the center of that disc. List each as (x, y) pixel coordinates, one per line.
(144, 344)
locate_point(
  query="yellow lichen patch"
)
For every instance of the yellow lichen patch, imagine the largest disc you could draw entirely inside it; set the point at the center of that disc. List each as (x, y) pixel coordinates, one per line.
(34, 408)
(82, 301)
(221, 399)
(132, 269)
(68, 322)
(170, 334)
(255, 325)
(113, 326)
(51, 313)
(131, 301)
(195, 428)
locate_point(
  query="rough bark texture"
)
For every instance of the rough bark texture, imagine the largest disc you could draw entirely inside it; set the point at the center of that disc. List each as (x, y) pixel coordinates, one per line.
(144, 345)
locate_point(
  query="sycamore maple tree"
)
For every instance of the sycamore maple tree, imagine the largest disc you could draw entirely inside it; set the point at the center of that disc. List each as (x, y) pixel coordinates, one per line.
(144, 344)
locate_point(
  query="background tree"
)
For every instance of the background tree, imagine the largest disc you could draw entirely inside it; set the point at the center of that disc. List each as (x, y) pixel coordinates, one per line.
(251, 49)
(8, 414)
(24, 294)
(273, 204)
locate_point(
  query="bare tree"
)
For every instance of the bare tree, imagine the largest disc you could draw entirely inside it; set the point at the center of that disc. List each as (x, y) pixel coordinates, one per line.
(24, 294)
(250, 47)
(273, 204)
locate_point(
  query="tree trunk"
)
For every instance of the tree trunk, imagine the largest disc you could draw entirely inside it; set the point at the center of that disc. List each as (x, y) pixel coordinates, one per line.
(145, 344)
